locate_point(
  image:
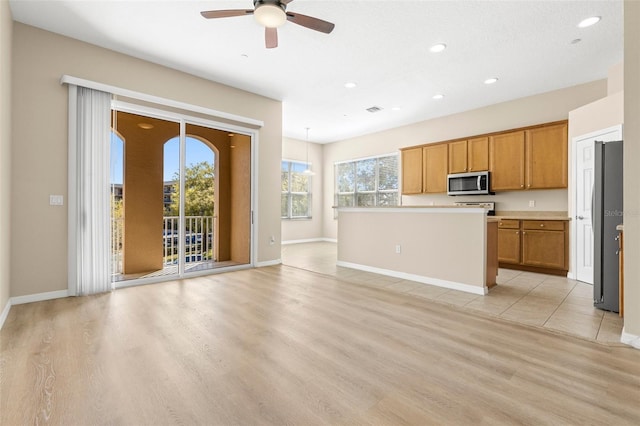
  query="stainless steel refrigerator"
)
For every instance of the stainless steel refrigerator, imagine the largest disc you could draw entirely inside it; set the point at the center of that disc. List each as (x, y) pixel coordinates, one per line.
(607, 214)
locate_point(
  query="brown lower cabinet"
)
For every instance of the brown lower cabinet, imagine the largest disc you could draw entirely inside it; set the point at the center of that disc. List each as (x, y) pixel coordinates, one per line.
(534, 245)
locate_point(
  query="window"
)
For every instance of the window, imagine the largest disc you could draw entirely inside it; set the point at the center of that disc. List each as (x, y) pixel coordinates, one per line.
(367, 182)
(296, 191)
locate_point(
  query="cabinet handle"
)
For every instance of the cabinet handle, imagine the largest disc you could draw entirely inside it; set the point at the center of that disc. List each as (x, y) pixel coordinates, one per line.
(517, 232)
(521, 186)
(542, 225)
(523, 233)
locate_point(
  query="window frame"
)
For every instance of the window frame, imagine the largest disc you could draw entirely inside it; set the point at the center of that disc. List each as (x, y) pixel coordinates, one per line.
(376, 192)
(290, 194)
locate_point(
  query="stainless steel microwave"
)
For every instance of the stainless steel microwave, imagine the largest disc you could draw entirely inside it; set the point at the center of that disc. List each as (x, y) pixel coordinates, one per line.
(474, 183)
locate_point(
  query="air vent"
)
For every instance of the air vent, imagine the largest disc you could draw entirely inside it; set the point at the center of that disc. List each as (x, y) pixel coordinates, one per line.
(374, 109)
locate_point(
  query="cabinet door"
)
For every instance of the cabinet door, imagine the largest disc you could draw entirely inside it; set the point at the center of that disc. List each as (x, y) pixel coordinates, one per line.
(544, 249)
(509, 246)
(478, 154)
(506, 161)
(434, 172)
(458, 157)
(412, 171)
(547, 157)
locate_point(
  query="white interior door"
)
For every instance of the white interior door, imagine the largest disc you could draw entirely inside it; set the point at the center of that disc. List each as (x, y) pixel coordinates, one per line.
(583, 231)
(584, 194)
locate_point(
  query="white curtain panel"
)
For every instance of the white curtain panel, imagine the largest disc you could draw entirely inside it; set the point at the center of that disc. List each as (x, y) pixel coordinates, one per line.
(93, 210)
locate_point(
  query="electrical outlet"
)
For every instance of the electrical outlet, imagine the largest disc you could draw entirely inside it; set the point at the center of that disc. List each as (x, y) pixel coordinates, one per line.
(398, 249)
(532, 203)
(56, 200)
(272, 240)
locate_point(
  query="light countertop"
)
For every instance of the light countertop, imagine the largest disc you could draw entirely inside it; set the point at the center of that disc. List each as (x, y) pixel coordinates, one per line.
(532, 215)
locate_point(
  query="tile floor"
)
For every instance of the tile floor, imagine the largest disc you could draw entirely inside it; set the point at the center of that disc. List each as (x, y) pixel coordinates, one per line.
(554, 303)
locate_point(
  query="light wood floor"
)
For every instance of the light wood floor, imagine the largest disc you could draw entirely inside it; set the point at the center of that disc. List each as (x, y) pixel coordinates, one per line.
(281, 345)
(554, 303)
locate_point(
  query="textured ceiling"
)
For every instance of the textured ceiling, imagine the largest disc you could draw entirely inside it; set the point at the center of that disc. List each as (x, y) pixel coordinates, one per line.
(383, 46)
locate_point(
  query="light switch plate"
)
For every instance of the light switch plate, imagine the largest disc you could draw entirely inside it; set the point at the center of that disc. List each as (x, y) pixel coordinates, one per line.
(56, 200)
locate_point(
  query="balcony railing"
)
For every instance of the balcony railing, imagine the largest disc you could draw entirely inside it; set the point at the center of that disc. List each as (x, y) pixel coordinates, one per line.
(198, 241)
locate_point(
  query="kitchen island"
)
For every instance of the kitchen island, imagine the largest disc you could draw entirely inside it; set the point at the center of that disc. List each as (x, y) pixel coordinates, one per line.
(452, 247)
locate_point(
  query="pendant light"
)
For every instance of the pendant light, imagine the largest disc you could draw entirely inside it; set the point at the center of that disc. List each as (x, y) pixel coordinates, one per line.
(308, 171)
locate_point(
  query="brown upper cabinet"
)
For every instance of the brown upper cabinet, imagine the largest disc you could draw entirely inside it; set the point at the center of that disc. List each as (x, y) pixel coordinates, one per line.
(534, 158)
(412, 171)
(434, 168)
(469, 156)
(506, 161)
(547, 157)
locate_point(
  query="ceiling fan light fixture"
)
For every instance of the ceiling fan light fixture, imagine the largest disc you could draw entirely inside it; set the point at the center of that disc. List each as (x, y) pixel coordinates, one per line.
(270, 15)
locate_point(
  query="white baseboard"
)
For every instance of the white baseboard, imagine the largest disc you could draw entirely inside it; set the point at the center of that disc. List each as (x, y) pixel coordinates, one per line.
(5, 312)
(309, 240)
(39, 297)
(268, 263)
(630, 339)
(418, 278)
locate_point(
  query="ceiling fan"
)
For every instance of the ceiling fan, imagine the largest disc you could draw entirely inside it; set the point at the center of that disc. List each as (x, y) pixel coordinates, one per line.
(272, 14)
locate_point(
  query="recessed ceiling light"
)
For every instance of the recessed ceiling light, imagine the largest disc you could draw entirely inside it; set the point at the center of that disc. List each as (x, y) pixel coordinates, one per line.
(436, 48)
(350, 85)
(491, 80)
(395, 108)
(145, 126)
(589, 22)
(438, 96)
(576, 40)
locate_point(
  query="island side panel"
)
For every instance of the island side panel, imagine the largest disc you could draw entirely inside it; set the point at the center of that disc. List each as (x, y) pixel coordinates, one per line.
(440, 245)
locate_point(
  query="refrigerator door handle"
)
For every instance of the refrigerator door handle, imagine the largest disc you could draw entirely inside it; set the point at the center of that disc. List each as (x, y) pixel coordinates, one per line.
(593, 204)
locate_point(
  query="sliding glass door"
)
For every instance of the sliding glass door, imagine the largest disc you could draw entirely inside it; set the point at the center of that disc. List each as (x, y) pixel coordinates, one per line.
(181, 197)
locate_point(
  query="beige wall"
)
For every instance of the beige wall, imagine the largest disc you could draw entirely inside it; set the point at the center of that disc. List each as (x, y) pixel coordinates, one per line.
(631, 169)
(426, 236)
(6, 26)
(597, 115)
(546, 107)
(39, 144)
(615, 78)
(296, 230)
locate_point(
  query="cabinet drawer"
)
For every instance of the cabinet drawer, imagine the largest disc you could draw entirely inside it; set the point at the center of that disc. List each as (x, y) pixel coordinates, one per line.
(548, 225)
(509, 224)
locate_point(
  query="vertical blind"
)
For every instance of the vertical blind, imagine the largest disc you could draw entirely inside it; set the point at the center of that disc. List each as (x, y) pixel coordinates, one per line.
(90, 243)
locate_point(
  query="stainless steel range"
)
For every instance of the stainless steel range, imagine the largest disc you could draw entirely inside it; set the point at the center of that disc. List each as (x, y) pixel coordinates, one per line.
(490, 206)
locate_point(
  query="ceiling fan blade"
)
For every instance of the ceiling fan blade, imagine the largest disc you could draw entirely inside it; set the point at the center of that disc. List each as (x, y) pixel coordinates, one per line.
(270, 37)
(310, 22)
(210, 14)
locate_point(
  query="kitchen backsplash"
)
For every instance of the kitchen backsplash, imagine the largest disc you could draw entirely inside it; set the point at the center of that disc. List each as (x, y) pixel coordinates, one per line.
(531, 200)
